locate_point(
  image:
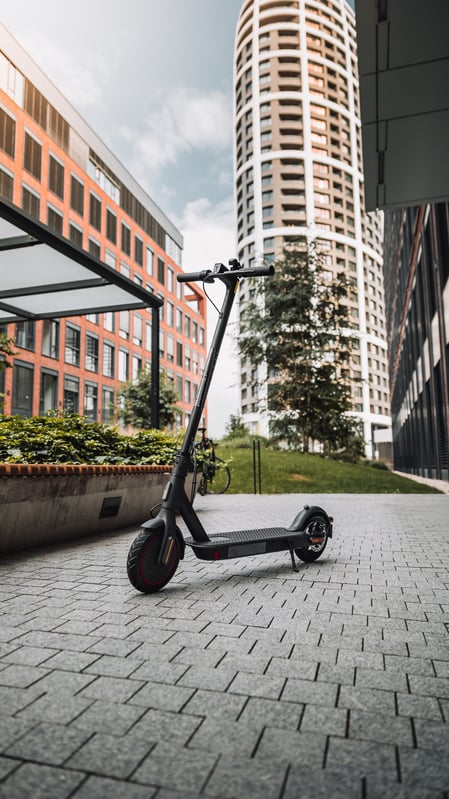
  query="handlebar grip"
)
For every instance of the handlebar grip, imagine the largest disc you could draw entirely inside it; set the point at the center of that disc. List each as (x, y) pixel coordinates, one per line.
(257, 271)
(193, 276)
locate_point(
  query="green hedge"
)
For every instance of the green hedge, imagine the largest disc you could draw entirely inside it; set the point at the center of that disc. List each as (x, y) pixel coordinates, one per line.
(73, 439)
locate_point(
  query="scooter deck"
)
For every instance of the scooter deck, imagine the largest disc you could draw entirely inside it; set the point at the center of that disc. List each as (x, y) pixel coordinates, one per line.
(240, 543)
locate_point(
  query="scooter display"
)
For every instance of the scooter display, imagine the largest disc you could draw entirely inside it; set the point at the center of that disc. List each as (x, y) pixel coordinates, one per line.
(155, 553)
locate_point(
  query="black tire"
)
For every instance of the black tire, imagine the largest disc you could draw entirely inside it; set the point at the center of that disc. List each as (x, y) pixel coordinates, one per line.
(317, 524)
(144, 572)
(217, 476)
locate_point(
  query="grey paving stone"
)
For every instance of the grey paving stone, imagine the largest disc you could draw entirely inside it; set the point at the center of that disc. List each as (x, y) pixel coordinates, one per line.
(70, 661)
(361, 758)
(33, 781)
(281, 667)
(180, 769)
(383, 680)
(429, 686)
(114, 689)
(421, 707)
(296, 747)
(424, 768)
(51, 744)
(366, 699)
(101, 787)
(306, 691)
(203, 657)
(225, 737)
(67, 682)
(380, 727)
(162, 697)
(210, 704)
(329, 720)
(60, 709)
(244, 777)
(18, 676)
(7, 765)
(257, 685)
(28, 655)
(212, 679)
(160, 671)
(161, 725)
(111, 755)
(253, 664)
(306, 783)
(432, 735)
(114, 666)
(111, 717)
(410, 665)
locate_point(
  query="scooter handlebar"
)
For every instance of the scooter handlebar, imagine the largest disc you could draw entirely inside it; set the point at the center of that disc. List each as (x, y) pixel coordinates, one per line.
(209, 275)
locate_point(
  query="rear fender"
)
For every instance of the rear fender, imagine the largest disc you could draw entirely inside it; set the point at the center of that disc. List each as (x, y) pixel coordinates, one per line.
(300, 521)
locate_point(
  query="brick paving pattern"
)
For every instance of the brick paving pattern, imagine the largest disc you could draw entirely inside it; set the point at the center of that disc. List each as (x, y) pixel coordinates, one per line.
(241, 678)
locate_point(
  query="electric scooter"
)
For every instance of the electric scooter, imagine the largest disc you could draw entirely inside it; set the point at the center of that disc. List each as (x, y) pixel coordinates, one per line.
(154, 555)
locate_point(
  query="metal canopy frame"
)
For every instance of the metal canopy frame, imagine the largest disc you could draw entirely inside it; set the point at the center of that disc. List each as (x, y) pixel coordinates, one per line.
(44, 276)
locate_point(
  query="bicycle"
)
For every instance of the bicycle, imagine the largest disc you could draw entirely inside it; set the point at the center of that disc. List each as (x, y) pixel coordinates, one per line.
(215, 475)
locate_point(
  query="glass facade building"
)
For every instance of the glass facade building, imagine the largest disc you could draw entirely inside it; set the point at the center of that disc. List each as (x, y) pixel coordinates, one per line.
(417, 302)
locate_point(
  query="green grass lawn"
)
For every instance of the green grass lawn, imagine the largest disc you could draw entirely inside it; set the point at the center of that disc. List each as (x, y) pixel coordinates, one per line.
(297, 473)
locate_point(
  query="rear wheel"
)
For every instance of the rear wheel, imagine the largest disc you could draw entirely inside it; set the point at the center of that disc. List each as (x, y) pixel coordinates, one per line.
(144, 571)
(217, 476)
(317, 529)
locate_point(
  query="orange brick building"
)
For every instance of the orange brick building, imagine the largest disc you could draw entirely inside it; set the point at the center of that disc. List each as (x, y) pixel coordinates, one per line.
(55, 168)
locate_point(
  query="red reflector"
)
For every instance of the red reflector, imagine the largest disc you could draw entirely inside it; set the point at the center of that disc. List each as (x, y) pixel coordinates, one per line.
(216, 555)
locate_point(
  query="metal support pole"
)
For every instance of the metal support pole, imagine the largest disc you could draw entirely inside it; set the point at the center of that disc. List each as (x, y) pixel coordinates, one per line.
(155, 368)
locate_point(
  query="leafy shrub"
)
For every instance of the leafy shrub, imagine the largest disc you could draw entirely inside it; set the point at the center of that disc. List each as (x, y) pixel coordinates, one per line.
(71, 438)
(376, 465)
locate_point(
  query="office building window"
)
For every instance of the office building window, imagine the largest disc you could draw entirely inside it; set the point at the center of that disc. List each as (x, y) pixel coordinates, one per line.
(91, 401)
(54, 220)
(72, 344)
(179, 353)
(138, 250)
(25, 335)
(138, 330)
(48, 400)
(31, 203)
(170, 349)
(150, 261)
(6, 185)
(123, 365)
(111, 226)
(50, 338)
(56, 177)
(22, 389)
(7, 133)
(170, 279)
(108, 359)
(94, 248)
(32, 159)
(125, 239)
(76, 195)
(71, 401)
(107, 406)
(94, 212)
(148, 336)
(91, 354)
(161, 271)
(124, 324)
(136, 367)
(76, 235)
(109, 321)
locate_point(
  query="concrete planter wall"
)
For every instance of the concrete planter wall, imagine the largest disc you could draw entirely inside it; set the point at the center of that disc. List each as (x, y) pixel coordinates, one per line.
(44, 504)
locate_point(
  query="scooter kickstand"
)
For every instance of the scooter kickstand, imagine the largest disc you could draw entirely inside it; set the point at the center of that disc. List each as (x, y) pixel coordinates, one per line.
(292, 555)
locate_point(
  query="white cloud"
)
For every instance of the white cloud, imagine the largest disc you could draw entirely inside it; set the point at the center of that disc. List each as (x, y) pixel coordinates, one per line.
(181, 122)
(80, 79)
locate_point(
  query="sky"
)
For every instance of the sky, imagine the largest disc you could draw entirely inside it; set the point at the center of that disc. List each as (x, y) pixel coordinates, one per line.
(154, 81)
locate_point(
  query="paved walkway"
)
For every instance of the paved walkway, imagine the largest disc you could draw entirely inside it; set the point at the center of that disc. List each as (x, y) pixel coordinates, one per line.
(241, 679)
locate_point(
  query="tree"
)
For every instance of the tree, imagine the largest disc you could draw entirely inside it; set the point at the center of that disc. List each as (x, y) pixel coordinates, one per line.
(297, 325)
(235, 427)
(6, 349)
(135, 401)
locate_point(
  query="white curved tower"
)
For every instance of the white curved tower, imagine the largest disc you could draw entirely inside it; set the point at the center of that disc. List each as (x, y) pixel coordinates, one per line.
(298, 171)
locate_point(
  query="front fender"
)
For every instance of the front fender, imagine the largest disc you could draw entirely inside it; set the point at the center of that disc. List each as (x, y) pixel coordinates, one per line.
(161, 523)
(300, 521)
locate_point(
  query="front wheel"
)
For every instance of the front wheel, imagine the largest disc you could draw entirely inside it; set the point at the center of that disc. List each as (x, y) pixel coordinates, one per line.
(317, 530)
(217, 477)
(144, 571)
